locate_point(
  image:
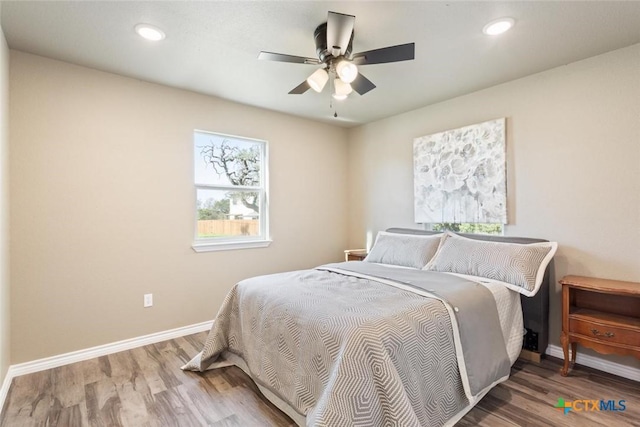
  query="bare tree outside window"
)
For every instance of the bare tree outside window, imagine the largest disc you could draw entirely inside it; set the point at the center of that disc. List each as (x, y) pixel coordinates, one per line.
(241, 166)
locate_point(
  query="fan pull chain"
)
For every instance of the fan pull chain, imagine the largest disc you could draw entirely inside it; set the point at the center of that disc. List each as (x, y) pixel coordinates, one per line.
(331, 105)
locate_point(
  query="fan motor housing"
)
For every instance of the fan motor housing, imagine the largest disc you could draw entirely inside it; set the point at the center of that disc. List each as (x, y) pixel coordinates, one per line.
(320, 37)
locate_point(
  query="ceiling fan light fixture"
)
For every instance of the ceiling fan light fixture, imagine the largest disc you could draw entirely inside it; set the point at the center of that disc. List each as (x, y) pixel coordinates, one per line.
(339, 97)
(318, 79)
(149, 32)
(498, 26)
(334, 44)
(347, 71)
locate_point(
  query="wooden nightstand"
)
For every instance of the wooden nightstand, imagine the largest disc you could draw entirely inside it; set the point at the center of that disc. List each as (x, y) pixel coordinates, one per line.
(600, 314)
(355, 254)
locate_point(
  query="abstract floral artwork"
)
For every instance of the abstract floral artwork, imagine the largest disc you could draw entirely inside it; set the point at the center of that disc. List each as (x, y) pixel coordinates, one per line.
(460, 175)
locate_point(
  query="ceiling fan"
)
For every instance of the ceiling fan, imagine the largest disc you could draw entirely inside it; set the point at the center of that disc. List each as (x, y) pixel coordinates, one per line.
(334, 43)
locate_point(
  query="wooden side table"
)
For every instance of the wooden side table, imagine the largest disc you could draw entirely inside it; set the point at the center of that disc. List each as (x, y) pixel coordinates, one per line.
(355, 254)
(600, 314)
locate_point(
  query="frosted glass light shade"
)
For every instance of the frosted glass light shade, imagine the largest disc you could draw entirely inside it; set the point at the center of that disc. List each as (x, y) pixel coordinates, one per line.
(347, 71)
(342, 88)
(318, 79)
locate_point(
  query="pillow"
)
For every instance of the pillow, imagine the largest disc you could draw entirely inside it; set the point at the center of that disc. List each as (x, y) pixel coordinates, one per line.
(407, 250)
(520, 265)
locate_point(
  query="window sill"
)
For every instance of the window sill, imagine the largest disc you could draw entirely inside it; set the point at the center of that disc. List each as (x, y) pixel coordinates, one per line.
(230, 246)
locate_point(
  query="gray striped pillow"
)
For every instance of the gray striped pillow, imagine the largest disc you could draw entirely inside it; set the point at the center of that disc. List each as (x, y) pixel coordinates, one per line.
(521, 265)
(407, 250)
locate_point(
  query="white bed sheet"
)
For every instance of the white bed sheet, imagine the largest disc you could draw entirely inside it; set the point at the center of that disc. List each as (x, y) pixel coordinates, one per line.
(509, 312)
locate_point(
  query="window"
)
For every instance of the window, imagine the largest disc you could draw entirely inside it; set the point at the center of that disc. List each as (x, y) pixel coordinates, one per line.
(230, 175)
(468, 227)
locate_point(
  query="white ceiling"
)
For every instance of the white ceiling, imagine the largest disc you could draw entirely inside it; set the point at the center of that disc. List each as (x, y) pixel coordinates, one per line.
(212, 47)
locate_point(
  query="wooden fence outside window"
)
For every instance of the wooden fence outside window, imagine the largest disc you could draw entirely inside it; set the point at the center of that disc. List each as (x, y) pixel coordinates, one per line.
(228, 227)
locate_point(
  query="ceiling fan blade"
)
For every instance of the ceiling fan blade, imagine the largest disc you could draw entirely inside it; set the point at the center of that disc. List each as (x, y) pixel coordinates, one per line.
(362, 84)
(300, 89)
(339, 30)
(401, 52)
(280, 57)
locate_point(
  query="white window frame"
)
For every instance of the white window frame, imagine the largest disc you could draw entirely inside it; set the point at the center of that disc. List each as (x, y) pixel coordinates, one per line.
(236, 242)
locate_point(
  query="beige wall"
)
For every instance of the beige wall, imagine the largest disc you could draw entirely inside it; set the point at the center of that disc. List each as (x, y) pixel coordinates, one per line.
(573, 136)
(4, 208)
(102, 205)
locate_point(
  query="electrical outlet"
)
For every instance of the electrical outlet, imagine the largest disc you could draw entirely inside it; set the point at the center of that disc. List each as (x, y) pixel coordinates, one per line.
(148, 300)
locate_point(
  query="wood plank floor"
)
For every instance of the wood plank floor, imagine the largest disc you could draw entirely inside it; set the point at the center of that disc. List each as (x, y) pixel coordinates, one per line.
(145, 387)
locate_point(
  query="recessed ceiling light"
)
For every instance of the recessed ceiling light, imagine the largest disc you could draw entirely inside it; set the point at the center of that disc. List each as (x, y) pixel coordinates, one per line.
(498, 26)
(150, 32)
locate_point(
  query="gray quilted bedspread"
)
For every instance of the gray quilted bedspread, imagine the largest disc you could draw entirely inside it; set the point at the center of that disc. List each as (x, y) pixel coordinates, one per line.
(342, 350)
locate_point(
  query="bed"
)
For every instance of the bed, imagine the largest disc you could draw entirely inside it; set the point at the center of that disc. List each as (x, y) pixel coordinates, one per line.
(408, 337)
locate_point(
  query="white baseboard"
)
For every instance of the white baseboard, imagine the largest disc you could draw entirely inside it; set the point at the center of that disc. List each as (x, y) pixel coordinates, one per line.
(4, 390)
(90, 353)
(598, 363)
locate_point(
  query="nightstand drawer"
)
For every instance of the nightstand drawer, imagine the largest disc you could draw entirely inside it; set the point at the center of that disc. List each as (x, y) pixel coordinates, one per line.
(355, 254)
(603, 332)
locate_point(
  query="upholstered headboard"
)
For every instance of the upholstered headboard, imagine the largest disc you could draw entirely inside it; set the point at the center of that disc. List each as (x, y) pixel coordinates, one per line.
(534, 309)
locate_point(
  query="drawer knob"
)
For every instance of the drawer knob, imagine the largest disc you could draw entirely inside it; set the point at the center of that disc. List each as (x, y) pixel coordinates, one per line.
(597, 333)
